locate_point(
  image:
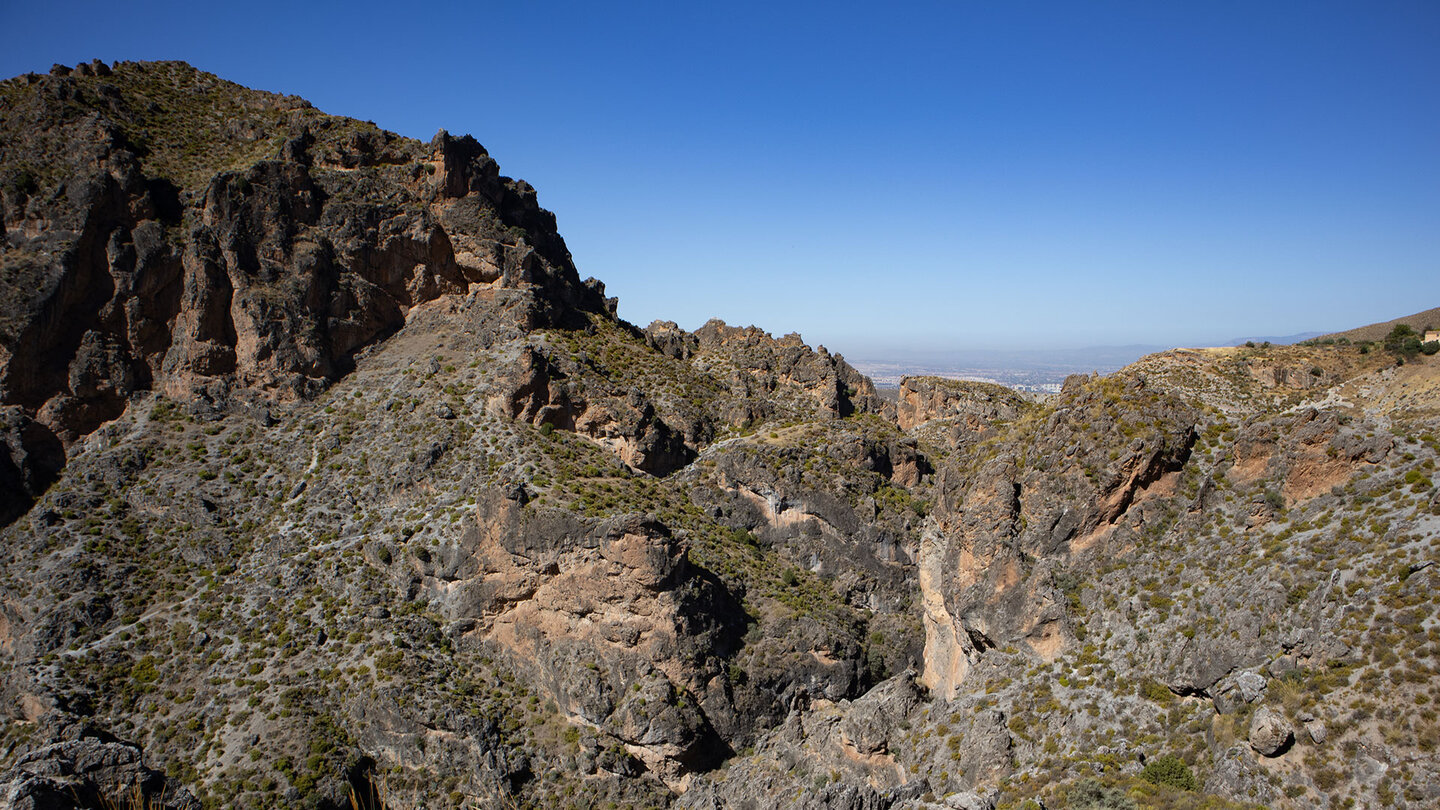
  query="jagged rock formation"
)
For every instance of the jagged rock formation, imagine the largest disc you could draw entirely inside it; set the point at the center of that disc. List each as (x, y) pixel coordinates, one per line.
(1007, 523)
(739, 353)
(973, 406)
(608, 619)
(326, 481)
(305, 266)
(128, 273)
(85, 766)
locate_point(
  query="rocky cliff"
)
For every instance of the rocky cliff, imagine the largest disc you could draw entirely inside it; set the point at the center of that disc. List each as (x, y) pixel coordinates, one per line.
(326, 482)
(256, 327)
(170, 232)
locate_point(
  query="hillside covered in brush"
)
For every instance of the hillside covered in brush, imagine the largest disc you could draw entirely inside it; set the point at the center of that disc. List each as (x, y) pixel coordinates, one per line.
(325, 481)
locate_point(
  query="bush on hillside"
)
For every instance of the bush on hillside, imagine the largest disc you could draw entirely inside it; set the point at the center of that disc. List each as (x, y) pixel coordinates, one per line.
(1091, 795)
(1403, 342)
(1170, 771)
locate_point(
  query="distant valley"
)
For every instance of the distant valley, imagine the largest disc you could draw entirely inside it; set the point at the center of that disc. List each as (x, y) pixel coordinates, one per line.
(1033, 370)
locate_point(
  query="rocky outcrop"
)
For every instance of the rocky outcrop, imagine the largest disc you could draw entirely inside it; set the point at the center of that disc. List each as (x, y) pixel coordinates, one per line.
(831, 755)
(762, 364)
(748, 377)
(830, 501)
(539, 392)
(1308, 451)
(1004, 530)
(30, 459)
(83, 767)
(670, 340)
(1270, 733)
(974, 406)
(267, 278)
(612, 622)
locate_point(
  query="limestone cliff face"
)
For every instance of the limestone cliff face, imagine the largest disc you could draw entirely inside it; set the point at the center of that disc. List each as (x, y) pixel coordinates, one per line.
(971, 406)
(1004, 527)
(265, 278)
(611, 621)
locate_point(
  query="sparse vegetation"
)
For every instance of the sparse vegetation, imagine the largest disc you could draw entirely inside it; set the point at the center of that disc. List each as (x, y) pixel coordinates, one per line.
(484, 564)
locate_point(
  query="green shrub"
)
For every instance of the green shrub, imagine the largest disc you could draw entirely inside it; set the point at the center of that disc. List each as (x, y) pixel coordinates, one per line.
(1170, 771)
(1091, 795)
(1403, 342)
(1154, 691)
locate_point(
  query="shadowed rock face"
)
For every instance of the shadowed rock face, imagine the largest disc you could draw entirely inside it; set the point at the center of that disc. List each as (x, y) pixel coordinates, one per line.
(81, 766)
(30, 459)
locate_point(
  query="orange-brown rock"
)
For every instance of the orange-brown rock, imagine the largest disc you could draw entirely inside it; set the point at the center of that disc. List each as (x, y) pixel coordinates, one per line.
(974, 405)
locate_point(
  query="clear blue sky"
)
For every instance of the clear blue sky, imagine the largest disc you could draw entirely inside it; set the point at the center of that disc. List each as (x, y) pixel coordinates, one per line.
(967, 174)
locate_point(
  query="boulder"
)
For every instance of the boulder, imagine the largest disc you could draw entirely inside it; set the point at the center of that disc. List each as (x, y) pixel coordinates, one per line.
(1270, 732)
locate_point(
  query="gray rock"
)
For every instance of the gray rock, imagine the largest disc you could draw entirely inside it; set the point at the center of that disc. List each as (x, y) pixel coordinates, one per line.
(1250, 685)
(970, 800)
(1234, 772)
(87, 768)
(1270, 732)
(874, 718)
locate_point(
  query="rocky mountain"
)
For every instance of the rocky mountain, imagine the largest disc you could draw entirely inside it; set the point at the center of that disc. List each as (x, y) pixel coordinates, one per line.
(327, 482)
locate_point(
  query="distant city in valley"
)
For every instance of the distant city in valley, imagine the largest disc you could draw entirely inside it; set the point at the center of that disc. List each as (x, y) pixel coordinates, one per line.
(889, 375)
(1037, 370)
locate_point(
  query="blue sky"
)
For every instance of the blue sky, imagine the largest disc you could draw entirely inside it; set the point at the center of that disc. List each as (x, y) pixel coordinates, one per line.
(908, 175)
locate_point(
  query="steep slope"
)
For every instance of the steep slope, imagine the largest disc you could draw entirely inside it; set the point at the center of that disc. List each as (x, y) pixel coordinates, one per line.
(1203, 569)
(344, 477)
(168, 231)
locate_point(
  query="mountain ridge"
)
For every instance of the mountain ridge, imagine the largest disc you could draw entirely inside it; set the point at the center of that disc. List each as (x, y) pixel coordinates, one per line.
(1419, 321)
(332, 484)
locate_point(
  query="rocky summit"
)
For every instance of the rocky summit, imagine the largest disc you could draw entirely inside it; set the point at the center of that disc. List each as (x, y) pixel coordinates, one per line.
(326, 482)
